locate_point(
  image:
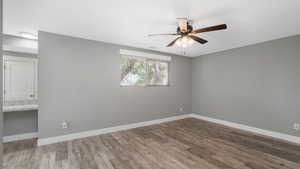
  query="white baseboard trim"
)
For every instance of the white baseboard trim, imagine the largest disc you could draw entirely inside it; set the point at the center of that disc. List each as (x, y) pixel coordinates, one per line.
(19, 137)
(51, 140)
(273, 134)
(62, 138)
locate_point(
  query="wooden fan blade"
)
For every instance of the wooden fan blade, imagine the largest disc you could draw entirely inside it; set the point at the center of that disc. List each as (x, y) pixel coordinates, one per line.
(173, 42)
(171, 34)
(212, 28)
(200, 40)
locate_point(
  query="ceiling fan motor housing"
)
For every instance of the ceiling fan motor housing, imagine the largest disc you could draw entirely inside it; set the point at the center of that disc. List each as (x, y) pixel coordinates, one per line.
(189, 30)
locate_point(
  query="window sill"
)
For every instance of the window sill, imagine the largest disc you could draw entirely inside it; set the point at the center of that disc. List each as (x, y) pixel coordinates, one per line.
(20, 108)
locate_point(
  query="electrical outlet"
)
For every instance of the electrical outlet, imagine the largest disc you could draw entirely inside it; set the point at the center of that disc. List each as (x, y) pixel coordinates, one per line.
(64, 125)
(296, 126)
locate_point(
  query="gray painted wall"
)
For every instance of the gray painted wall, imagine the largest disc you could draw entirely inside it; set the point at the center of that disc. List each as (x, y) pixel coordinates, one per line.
(1, 115)
(257, 85)
(20, 122)
(79, 82)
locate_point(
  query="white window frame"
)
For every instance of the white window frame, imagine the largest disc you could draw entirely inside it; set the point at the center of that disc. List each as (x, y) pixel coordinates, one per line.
(146, 57)
(21, 59)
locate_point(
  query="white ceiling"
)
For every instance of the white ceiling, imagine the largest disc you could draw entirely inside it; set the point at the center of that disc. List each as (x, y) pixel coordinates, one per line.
(128, 22)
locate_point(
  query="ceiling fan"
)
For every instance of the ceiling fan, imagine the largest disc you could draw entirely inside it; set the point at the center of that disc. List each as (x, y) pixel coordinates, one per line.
(187, 34)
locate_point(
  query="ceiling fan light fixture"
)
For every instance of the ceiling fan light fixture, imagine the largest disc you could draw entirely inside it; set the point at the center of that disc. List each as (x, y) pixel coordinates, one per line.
(184, 45)
(178, 42)
(184, 41)
(191, 41)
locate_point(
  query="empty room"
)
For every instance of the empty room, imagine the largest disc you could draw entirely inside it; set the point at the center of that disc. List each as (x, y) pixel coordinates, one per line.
(140, 84)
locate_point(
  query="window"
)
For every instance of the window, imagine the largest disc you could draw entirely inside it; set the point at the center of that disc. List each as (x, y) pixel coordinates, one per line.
(158, 72)
(140, 69)
(133, 71)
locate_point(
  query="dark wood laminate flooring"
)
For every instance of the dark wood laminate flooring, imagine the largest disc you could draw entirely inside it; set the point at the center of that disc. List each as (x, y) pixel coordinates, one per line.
(182, 144)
